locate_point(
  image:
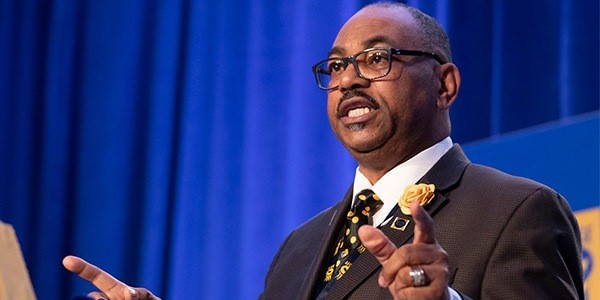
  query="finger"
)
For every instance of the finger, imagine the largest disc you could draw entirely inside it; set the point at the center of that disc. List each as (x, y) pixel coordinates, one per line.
(146, 294)
(99, 278)
(382, 248)
(129, 294)
(97, 296)
(436, 279)
(423, 225)
(402, 279)
(91, 273)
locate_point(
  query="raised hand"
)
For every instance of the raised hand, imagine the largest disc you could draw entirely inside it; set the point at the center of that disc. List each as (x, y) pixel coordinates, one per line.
(110, 287)
(413, 271)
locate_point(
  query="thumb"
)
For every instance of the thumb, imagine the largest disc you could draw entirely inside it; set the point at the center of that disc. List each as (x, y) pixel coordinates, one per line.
(381, 247)
(423, 225)
(376, 242)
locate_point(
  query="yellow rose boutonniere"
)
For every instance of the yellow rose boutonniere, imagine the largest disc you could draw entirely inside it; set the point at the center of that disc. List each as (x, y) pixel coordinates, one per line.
(423, 193)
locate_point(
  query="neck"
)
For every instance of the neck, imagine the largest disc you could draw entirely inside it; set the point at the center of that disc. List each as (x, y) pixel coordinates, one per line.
(377, 163)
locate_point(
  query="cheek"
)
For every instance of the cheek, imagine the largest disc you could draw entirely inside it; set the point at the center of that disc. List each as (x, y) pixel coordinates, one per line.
(412, 97)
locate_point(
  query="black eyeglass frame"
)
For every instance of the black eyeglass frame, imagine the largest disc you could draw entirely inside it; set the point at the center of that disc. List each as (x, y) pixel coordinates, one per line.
(352, 59)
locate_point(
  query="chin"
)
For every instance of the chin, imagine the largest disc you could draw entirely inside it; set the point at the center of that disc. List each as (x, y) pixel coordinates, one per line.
(361, 137)
(363, 146)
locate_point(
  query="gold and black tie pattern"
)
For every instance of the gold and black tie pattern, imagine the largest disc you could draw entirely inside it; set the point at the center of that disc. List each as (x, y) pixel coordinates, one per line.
(349, 247)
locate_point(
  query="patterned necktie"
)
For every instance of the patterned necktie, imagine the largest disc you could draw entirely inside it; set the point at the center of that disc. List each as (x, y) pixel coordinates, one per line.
(349, 247)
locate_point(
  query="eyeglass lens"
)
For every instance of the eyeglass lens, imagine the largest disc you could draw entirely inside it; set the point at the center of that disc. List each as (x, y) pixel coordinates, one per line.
(372, 64)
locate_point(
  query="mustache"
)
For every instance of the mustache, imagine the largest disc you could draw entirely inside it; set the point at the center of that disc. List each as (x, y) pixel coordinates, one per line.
(357, 93)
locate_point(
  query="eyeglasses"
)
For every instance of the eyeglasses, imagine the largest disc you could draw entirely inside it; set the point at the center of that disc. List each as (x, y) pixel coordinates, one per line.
(370, 64)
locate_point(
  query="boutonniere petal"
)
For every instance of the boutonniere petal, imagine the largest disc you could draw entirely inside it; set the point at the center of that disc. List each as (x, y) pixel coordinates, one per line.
(423, 193)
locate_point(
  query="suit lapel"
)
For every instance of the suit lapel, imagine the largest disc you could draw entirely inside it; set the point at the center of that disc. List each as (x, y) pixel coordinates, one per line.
(448, 170)
(444, 174)
(312, 280)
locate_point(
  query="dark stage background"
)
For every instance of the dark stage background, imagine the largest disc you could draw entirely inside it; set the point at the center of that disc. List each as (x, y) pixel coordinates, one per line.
(176, 143)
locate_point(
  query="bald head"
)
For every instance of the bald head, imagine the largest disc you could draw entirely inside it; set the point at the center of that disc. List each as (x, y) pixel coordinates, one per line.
(430, 35)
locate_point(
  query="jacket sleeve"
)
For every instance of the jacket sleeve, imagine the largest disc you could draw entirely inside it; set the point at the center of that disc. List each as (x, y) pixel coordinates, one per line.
(264, 294)
(538, 254)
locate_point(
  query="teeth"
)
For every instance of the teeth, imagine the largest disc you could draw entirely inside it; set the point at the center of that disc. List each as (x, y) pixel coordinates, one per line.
(358, 112)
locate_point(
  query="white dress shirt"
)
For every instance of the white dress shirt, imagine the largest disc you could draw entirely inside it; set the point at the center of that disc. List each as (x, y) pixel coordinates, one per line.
(391, 186)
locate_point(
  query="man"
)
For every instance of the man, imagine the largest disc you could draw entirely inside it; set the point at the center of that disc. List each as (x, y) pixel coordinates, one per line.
(390, 84)
(497, 236)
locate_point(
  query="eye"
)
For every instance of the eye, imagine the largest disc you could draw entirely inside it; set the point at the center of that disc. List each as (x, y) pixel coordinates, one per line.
(377, 58)
(335, 65)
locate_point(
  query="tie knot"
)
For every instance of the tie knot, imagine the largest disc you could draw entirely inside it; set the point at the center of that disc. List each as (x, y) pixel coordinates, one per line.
(366, 204)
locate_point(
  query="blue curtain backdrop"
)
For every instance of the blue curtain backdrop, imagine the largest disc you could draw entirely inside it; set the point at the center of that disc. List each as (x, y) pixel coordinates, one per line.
(176, 143)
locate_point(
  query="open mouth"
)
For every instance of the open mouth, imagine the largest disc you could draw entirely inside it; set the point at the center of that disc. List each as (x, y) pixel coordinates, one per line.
(355, 104)
(355, 107)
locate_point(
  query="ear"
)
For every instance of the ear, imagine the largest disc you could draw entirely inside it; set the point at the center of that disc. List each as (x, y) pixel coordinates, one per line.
(449, 85)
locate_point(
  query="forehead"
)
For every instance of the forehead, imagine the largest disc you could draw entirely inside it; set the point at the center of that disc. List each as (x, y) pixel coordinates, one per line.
(376, 26)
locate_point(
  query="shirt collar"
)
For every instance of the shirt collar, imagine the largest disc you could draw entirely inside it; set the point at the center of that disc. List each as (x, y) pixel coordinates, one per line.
(390, 187)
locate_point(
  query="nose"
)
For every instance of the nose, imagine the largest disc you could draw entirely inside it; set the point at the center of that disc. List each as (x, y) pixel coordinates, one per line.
(349, 79)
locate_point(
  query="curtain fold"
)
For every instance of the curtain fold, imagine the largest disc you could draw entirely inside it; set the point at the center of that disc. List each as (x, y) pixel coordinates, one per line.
(177, 143)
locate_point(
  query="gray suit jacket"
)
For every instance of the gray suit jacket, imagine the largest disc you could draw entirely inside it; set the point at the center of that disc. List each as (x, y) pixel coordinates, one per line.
(506, 237)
